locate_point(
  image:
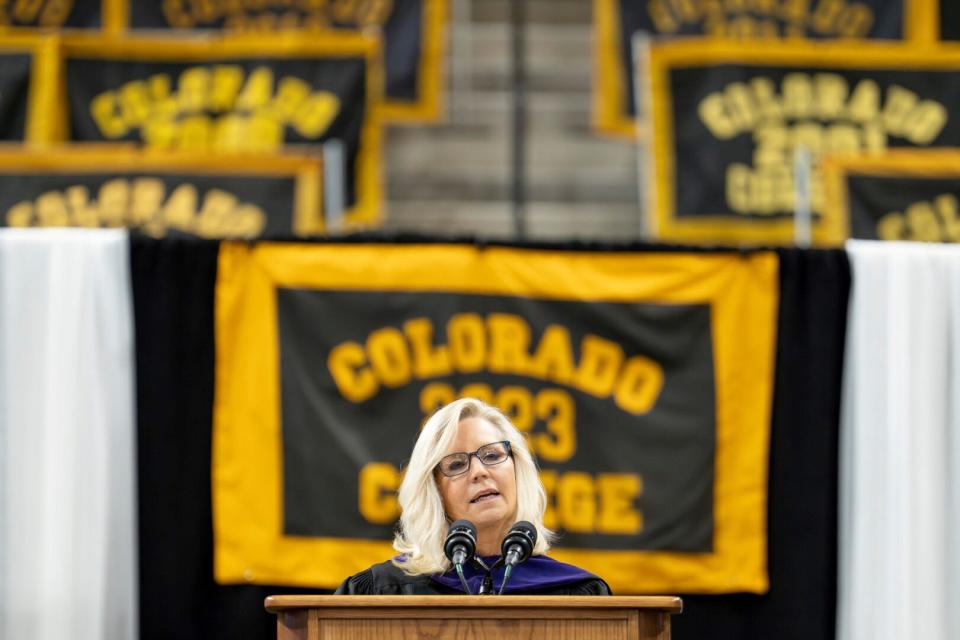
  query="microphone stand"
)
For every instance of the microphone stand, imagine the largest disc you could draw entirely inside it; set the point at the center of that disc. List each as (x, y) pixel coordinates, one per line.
(463, 581)
(486, 586)
(511, 562)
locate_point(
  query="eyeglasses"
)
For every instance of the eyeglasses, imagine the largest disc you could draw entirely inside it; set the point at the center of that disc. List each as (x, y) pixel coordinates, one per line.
(457, 464)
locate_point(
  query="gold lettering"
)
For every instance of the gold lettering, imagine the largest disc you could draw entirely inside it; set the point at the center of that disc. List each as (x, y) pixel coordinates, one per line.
(226, 83)
(389, 357)
(855, 22)
(576, 502)
(773, 144)
(900, 103)
(257, 91)
(618, 492)
(865, 102)
(556, 408)
(195, 133)
(842, 138)
(147, 198)
(826, 15)
(435, 395)
(798, 96)
(600, 361)
(135, 103)
(377, 491)
(949, 211)
(291, 94)
(553, 359)
(348, 366)
(923, 223)
(925, 123)
(509, 342)
(768, 104)
(428, 361)
(317, 113)
(114, 199)
(194, 89)
(176, 15)
(179, 210)
(663, 19)
(26, 10)
(83, 213)
(213, 220)
(515, 402)
(714, 115)
(103, 109)
(740, 106)
(467, 338)
(831, 91)
(20, 215)
(890, 227)
(738, 188)
(639, 386)
(52, 210)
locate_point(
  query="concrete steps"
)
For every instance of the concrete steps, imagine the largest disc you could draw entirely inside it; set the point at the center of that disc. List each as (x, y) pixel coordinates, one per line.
(455, 177)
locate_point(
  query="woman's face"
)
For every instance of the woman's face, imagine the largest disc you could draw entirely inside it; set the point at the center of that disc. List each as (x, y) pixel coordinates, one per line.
(486, 496)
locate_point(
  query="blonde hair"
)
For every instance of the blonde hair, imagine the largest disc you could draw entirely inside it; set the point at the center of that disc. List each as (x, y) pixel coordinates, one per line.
(423, 522)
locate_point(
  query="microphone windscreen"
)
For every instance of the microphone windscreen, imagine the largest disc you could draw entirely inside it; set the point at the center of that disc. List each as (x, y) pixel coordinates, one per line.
(461, 534)
(526, 529)
(523, 536)
(463, 525)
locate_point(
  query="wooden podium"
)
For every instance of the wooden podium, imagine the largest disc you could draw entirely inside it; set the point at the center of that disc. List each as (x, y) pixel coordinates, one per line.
(481, 617)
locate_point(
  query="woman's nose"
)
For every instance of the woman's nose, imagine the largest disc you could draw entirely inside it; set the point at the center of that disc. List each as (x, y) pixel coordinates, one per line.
(478, 470)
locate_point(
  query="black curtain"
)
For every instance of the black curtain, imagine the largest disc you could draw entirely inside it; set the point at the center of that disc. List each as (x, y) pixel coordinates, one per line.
(173, 287)
(802, 516)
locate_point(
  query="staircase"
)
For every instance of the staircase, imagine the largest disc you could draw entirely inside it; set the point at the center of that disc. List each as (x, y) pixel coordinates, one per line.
(455, 178)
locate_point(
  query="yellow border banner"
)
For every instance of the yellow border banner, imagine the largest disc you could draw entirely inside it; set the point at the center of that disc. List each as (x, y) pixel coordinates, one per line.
(367, 211)
(610, 85)
(806, 57)
(43, 111)
(117, 159)
(247, 467)
(938, 219)
(431, 81)
(609, 73)
(50, 16)
(431, 103)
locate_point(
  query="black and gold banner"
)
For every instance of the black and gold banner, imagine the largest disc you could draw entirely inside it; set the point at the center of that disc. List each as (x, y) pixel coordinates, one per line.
(900, 195)
(161, 193)
(414, 36)
(616, 22)
(644, 395)
(53, 14)
(27, 88)
(730, 118)
(238, 95)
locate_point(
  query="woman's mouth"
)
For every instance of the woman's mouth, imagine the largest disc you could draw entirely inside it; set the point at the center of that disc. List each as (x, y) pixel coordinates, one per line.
(485, 496)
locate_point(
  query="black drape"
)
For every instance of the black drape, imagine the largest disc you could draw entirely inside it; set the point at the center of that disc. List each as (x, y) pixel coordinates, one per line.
(173, 287)
(802, 517)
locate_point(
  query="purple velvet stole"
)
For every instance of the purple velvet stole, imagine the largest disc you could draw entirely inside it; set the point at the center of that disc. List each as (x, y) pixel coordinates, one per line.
(538, 572)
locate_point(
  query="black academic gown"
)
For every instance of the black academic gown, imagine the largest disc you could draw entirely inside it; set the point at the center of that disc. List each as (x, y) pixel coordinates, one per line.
(539, 575)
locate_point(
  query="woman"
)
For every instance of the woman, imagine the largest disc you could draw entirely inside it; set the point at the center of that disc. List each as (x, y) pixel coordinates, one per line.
(470, 463)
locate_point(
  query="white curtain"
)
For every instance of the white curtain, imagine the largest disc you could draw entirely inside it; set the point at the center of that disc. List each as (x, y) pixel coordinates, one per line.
(900, 445)
(67, 511)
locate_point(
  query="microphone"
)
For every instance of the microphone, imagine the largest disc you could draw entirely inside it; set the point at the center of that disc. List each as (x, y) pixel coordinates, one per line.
(517, 547)
(460, 546)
